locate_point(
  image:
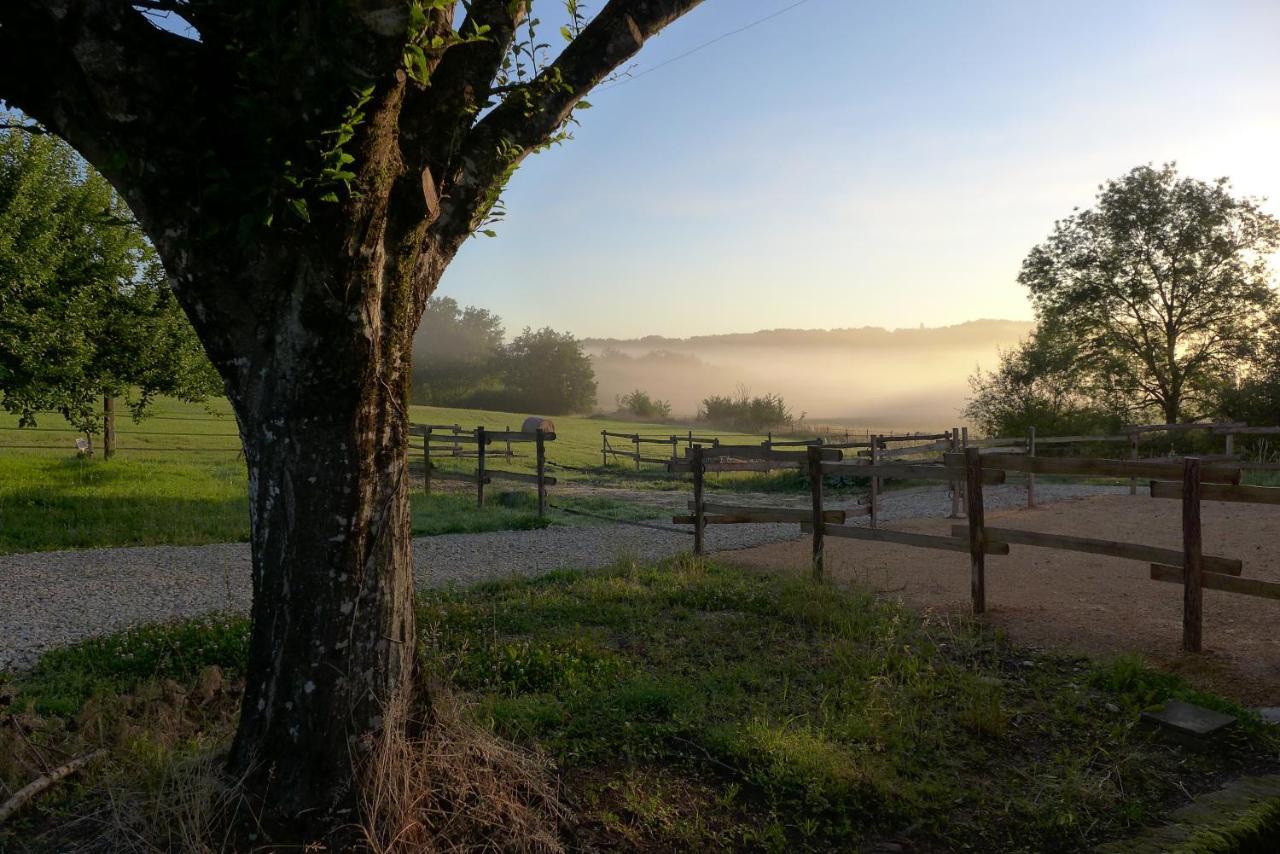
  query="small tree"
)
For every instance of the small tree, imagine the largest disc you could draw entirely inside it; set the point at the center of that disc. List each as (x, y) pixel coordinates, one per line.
(85, 311)
(641, 405)
(1161, 287)
(547, 371)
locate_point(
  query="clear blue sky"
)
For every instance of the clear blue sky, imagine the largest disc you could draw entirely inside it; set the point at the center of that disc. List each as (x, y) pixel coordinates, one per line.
(858, 163)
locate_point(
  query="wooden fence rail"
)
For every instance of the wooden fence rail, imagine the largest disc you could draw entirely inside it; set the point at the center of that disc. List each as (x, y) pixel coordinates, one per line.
(484, 475)
(1189, 566)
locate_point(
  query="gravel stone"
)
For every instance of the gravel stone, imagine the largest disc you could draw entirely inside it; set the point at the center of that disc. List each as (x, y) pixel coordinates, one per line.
(55, 598)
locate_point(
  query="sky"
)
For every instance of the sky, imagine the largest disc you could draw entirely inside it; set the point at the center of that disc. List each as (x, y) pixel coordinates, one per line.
(851, 163)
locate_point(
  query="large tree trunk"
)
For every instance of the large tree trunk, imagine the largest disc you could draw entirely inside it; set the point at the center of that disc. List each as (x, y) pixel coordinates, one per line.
(322, 404)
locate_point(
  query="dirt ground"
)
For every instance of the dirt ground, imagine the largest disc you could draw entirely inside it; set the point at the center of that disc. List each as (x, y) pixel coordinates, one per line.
(1085, 603)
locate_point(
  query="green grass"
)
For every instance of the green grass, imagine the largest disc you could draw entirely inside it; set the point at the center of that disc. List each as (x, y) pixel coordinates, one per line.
(73, 503)
(690, 705)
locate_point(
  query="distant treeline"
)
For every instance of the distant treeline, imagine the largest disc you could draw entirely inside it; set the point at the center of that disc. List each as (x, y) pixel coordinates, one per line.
(460, 359)
(968, 334)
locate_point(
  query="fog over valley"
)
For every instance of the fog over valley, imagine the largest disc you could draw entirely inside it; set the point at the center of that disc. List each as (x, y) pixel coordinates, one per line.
(870, 376)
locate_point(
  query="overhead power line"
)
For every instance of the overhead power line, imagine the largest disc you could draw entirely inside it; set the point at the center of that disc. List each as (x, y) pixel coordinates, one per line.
(702, 46)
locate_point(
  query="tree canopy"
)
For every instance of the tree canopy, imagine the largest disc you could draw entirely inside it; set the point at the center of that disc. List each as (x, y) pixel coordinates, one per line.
(85, 310)
(1160, 290)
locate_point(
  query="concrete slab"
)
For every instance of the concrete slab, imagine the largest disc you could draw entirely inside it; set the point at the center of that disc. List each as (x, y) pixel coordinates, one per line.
(1189, 719)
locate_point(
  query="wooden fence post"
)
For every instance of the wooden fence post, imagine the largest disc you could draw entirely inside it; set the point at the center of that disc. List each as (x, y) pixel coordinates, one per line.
(977, 535)
(699, 519)
(1031, 476)
(815, 491)
(1192, 592)
(1230, 447)
(1133, 455)
(875, 483)
(604, 449)
(480, 467)
(636, 440)
(675, 443)
(426, 460)
(108, 427)
(542, 473)
(955, 484)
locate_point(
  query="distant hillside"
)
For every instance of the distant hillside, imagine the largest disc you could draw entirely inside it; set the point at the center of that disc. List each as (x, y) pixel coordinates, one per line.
(870, 376)
(972, 333)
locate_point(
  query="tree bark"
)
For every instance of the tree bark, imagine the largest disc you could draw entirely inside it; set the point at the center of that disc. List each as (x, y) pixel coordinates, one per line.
(322, 410)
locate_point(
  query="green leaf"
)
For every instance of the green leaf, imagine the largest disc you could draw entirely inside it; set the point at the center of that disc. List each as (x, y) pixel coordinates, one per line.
(299, 207)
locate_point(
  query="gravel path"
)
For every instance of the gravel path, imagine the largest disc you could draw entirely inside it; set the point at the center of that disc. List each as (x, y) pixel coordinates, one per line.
(54, 598)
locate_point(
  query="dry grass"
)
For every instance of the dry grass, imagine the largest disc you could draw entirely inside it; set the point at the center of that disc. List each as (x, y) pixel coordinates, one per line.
(457, 787)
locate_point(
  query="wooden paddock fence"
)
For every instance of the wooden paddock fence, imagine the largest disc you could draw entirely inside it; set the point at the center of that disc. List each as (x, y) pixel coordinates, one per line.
(477, 441)
(1190, 481)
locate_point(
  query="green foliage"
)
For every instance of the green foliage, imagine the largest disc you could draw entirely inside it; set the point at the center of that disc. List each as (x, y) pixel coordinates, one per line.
(547, 372)
(825, 720)
(65, 678)
(85, 309)
(744, 412)
(460, 360)
(457, 352)
(641, 405)
(1041, 383)
(1161, 288)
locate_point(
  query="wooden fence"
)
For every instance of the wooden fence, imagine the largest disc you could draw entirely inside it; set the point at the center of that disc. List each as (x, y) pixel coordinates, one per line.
(481, 439)
(1190, 481)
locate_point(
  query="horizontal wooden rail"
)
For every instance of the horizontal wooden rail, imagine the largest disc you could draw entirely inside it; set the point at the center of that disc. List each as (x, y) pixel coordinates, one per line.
(918, 437)
(1248, 431)
(905, 538)
(1109, 548)
(735, 465)
(795, 443)
(627, 436)
(701, 440)
(1087, 467)
(645, 440)
(998, 442)
(1218, 581)
(516, 436)
(757, 515)
(1219, 492)
(1224, 426)
(757, 452)
(776, 514)
(1067, 440)
(892, 453)
(905, 470)
(520, 476)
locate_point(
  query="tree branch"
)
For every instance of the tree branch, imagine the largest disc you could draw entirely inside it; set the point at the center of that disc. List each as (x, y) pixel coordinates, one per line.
(528, 119)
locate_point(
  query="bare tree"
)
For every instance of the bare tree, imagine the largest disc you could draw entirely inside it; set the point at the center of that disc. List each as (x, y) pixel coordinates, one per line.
(307, 171)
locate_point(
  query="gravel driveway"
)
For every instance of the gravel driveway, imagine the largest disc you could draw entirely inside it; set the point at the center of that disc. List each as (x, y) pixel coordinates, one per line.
(54, 598)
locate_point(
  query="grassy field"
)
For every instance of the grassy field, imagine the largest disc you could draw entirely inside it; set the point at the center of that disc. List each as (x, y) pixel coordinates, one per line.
(687, 705)
(179, 479)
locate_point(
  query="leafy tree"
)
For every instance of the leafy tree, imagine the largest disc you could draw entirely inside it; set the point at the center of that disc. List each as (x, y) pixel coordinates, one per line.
(1041, 383)
(1254, 396)
(547, 371)
(1161, 287)
(641, 405)
(743, 412)
(85, 310)
(456, 352)
(307, 172)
